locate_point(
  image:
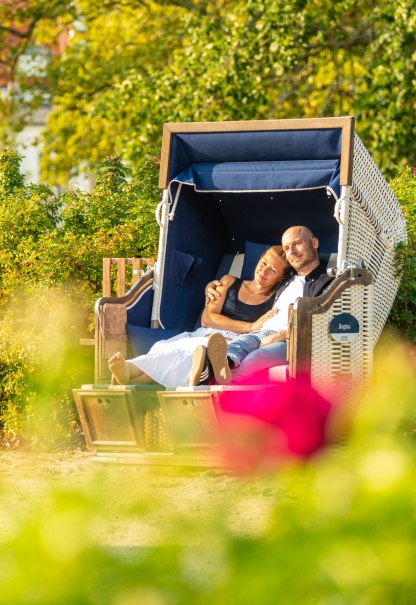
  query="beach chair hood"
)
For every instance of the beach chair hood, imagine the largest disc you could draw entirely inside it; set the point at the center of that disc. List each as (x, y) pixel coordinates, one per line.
(229, 186)
(256, 160)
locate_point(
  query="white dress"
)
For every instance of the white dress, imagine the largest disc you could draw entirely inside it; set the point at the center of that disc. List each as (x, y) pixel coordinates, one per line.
(169, 361)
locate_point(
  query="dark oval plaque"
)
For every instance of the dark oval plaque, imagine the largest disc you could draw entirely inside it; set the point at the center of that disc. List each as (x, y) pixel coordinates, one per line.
(344, 327)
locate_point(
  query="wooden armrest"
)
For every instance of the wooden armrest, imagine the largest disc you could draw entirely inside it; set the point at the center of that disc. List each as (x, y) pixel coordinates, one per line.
(308, 336)
(110, 324)
(132, 295)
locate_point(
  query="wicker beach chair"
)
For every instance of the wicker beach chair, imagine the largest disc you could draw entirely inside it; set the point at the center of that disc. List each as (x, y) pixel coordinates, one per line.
(229, 189)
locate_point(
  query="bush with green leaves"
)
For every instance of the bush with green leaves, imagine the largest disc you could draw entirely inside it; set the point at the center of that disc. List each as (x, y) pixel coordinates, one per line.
(28, 214)
(51, 252)
(116, 219)
(57, 241)
(403, 314)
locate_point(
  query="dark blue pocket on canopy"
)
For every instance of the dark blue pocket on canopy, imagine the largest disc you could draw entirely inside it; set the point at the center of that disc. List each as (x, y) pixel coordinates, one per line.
(183, 267)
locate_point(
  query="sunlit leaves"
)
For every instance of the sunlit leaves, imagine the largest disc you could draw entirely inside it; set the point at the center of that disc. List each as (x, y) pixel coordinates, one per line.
(403, 313)
(51, 254)
(130, 66)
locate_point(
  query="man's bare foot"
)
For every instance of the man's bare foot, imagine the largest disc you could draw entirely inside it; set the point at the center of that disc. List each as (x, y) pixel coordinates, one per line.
(119, 369)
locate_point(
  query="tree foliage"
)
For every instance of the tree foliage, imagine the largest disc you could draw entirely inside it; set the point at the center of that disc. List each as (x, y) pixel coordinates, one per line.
(129, 66)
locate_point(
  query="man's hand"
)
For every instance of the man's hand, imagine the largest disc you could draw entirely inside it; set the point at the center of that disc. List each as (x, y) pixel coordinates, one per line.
(258, 324)
(211, 292)
(271, 338)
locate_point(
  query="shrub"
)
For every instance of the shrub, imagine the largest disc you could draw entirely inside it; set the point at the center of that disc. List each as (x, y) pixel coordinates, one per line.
(403, 314)
(51, 254)
(28, 214)
(116, 219)
(40, 363)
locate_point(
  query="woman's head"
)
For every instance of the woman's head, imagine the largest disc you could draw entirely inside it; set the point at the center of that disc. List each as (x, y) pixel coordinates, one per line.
(272, 267)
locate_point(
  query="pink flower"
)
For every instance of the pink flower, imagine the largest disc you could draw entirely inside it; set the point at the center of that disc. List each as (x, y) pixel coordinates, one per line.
(265, 427)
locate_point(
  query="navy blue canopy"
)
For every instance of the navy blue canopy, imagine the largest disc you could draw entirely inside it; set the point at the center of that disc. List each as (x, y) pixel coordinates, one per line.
(257, 161)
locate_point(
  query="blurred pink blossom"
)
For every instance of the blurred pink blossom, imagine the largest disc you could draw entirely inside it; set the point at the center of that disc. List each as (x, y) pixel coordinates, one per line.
(265, 427)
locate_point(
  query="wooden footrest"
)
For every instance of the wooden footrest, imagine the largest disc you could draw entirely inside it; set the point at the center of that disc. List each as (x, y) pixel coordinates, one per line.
(122, 418)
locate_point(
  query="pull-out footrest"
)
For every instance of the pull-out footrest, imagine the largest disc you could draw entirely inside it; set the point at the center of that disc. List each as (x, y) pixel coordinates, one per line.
(149, 425)
(125, 424)
(121, 418)
(194, 416)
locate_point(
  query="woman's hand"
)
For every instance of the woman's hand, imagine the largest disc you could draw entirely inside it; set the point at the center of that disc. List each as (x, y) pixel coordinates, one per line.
(258, 324)
(211, 291)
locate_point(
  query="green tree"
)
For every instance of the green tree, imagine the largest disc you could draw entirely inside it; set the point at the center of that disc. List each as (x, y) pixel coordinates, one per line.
(29, 39)
(129, 67)
(387, 105)
(110, 41)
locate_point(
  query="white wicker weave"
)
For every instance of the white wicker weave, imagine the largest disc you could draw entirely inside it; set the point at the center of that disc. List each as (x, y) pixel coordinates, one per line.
(374, 225)
(333, 361)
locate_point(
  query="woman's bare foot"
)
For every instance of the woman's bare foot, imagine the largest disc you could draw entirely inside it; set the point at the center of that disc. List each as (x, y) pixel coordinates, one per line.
(119, 369)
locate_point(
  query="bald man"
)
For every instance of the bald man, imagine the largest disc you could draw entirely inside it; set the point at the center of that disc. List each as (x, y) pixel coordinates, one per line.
(252, 354)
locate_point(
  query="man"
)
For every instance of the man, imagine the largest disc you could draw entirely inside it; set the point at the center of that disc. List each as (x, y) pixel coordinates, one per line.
(251, 354)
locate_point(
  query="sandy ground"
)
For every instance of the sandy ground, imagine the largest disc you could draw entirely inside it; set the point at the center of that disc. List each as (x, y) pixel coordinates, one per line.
(131, 500)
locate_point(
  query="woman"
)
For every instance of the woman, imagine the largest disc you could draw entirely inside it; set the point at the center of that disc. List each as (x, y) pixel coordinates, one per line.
(243, 306)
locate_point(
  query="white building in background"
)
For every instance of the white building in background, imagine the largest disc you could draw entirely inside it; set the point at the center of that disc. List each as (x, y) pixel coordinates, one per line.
(28, 144)
(32, 64)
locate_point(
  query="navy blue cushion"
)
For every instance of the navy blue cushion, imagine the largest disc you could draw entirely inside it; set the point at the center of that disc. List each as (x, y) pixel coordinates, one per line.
(142, 339)
(252, 254)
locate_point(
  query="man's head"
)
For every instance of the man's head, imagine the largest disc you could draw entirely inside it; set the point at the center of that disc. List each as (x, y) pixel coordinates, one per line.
(301, 249)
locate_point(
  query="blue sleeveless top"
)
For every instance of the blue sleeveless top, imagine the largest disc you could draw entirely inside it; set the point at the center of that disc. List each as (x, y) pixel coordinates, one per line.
(235, 309)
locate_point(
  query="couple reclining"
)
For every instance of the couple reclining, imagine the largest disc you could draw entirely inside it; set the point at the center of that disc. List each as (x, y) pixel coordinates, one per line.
(243, 320)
